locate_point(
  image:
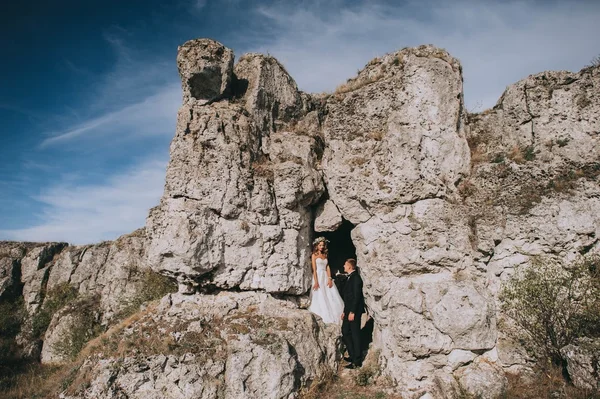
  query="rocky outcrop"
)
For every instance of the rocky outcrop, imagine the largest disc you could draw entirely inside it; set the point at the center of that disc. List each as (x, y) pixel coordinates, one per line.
(205, 67)
(112, 272)
(232, 345)
(444, 205)
(533, 189)
(583, 363)
(235, 211)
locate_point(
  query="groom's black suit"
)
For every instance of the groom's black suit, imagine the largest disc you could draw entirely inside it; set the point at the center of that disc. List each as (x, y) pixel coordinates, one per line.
(354, 302)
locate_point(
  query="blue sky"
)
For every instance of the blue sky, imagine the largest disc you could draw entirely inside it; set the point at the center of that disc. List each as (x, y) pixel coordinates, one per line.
(89, 90)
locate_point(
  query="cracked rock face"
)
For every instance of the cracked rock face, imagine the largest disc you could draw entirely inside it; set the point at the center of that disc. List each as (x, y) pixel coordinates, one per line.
(112, 271)
(583, 363)
(534, 188)
(233, 345)
(235, 211)
(389, 147)
(395, 134)
(445, 206)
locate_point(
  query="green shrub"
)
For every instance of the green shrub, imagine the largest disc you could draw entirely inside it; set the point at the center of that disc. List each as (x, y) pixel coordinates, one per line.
(12, 315)
(152, 286)
(55, 299)
(85, 327)
(552, 305)
(529, 153)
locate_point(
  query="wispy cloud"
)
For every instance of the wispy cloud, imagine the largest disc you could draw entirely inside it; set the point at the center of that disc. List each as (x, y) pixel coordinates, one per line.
(498, 43)
(153, 115)
(89, 198)
(87, 213)
(322, 43)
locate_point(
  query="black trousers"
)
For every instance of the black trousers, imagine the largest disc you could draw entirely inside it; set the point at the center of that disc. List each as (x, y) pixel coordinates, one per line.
(351, 337)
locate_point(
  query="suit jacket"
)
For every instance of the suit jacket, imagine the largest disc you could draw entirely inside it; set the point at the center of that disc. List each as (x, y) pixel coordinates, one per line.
(354, 301)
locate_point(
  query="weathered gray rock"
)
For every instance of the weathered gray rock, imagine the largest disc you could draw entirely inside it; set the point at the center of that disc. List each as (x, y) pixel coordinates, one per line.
(328, 217)
(232, 345)
(583, 363)
(270, 93)
(533, 190)
(7, 274)
(58, 334)
(390, 158)
(35, 266)
(483, 380)
(113, 270)
(395, 134)
(206, 68)
(248, 227)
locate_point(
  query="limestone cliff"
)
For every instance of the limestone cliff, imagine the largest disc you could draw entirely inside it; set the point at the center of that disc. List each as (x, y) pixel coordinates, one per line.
(444, 205)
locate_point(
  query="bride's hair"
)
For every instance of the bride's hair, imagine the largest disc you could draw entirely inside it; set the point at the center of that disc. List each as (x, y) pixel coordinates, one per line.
(316, 245)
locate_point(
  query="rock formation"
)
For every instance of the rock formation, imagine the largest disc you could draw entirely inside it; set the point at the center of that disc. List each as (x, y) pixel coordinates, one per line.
(445, 206)
(388, 149)
(231, 345)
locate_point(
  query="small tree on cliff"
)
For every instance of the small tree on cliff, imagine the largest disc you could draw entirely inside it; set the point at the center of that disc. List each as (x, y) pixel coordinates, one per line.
(553, 305)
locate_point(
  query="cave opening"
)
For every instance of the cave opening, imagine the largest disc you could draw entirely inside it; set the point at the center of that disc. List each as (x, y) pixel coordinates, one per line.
(340, 247)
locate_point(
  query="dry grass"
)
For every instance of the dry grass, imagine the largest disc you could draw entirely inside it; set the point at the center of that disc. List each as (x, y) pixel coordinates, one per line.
(476, 144)
(355, 84)
(343, 385)
(545, 384)
(466, 188)
(263, 167)
(516, 155)
(357, 161)
(376, 135)
(521, 155)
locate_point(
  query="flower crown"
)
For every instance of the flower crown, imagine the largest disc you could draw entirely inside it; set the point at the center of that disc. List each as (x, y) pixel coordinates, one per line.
(320, 239)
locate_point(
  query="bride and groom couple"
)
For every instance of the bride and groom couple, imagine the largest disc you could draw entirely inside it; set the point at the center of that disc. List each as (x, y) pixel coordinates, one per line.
(327, 303)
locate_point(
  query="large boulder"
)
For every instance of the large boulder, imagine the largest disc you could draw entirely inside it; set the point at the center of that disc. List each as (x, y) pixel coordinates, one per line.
(206, 69)
(388, 150)
(583, 363)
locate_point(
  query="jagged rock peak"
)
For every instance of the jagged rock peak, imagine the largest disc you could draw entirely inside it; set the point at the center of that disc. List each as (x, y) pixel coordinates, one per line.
(205, 67)
(394, 63)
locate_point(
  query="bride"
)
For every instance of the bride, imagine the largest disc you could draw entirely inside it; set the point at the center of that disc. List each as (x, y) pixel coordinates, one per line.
(326, 300)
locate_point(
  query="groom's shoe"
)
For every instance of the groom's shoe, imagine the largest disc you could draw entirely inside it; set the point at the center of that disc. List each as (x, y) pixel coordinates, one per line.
(350, 366)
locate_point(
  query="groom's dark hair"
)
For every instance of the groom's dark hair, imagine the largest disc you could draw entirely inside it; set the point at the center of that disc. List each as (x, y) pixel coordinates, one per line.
(352, 262)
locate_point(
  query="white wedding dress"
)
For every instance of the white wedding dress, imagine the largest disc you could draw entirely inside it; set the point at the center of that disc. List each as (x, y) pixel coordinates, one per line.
(326, 302)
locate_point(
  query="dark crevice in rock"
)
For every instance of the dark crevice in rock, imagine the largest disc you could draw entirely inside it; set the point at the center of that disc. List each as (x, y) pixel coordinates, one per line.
(187, 128)
(239, 87)
(46, 262)
(187, 197)
(587, 248)
(299, 370)
(460, 112)
(412, 202)
(206, 84)
(530, 114)
(341, 247)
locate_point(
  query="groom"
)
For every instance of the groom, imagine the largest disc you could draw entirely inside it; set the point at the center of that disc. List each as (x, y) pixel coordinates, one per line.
(354, 306)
